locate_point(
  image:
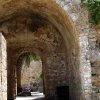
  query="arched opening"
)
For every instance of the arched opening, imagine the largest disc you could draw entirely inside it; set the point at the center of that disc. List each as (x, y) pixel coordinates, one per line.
(43, 27)
(29, 76)
(46, 40)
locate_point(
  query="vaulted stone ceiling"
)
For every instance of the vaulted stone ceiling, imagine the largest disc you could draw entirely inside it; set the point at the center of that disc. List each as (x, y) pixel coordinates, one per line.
(26, 31)
(45, 10)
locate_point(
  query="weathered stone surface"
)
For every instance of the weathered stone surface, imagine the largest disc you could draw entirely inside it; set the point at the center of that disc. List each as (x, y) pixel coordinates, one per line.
(3, 71)
(71, 35)
(30, 76)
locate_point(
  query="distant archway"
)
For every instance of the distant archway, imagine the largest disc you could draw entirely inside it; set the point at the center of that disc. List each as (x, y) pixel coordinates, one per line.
(29, 74)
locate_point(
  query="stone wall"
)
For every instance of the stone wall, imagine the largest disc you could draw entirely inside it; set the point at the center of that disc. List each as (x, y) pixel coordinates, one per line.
(45, 42)
(31, 74)
(79, 15)
(94, 40)
(71, 19)
(3, 69)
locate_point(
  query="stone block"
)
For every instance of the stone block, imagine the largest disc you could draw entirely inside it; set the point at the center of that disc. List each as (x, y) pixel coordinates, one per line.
(4, 79)
(4, 95)
(96, 96)
(4, 87)
(88, 97)
(0, 96)
(0, 88)
(96, 81)
(4, 73)
(4, 62)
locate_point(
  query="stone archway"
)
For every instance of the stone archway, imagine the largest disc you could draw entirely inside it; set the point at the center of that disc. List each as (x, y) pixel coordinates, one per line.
(30, 74)
(30, 16)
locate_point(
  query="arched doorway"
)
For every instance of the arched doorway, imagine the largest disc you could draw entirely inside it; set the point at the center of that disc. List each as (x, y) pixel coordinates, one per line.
(29, 76)
(45, 28)
(49, 45)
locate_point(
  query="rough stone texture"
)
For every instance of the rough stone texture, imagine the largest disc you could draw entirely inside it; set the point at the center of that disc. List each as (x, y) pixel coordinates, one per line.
(3, 69)
(46, 42)
(90, 34)
(31, 74)
(96, 79)
(78, 13)
(94, 41)
(73, 33)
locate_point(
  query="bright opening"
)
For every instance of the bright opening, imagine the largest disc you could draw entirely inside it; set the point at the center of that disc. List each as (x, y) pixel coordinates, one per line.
(30, 80)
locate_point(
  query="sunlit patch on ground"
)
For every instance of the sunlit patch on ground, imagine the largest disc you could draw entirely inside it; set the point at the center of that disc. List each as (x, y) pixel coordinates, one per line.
(35, 96)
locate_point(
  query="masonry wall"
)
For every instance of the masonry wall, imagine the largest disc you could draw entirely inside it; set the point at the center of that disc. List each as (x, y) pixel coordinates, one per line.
(84, 33)
(3, 69)
(31, 74)
(94, 41)
(49, 45)
(79, 15)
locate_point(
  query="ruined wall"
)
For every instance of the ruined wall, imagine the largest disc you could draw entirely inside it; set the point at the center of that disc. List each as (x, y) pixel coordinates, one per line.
(79, 67)
(3, 68)
(79, 15)
(94, 41)
(31, 74)
(46, 42)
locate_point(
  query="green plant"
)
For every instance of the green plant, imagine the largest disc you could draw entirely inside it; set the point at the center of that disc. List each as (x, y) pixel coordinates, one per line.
(28, 57)
(94, 9)
(40, 76)
(94, 74)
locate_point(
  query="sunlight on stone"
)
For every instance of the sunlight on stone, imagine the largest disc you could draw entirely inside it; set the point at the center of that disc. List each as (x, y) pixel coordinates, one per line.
(35, 96)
